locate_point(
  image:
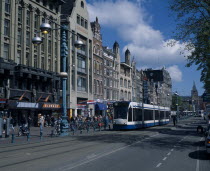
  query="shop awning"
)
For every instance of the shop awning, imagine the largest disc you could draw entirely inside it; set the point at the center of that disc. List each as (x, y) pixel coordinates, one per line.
(100, 106)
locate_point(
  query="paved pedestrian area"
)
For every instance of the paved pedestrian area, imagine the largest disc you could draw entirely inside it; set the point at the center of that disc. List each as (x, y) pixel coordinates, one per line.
(47, 135)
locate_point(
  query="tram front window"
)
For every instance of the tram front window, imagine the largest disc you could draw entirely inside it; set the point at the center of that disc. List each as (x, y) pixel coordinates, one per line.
(120, 112)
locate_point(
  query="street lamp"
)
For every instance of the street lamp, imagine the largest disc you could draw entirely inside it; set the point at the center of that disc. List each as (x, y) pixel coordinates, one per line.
(176, 102)
(46, 28)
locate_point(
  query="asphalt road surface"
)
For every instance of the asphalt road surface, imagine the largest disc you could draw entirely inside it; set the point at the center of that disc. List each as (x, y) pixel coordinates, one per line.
(164, 148)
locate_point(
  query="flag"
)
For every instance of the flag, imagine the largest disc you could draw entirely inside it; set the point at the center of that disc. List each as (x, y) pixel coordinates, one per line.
(22, 96)
(47, 98)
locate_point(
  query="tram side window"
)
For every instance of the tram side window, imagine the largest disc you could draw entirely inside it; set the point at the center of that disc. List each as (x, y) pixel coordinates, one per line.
(148, 115)
(161, 114)
(156, 115)
(137, 114)
(130, 115)
(167, 114)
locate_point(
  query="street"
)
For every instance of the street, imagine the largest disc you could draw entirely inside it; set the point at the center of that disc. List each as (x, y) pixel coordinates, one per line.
(157, 148)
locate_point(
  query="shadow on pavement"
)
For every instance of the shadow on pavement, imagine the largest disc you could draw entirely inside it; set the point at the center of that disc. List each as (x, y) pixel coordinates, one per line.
(200, 155)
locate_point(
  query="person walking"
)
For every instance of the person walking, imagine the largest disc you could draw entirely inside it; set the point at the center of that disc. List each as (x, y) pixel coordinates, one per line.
(174, 120)
(29, 122)
(41, 124)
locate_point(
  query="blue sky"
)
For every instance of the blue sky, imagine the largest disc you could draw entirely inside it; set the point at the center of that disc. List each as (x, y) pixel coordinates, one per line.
(145, 28)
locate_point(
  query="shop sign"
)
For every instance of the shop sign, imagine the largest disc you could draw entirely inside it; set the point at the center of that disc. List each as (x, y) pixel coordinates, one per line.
(27, 105)
(51, 105)
(3, 100)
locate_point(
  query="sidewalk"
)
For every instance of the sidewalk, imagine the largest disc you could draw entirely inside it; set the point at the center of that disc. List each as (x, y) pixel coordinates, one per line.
(35, 135)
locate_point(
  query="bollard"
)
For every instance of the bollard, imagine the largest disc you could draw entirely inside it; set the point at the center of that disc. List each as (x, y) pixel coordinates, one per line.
(13, 138)
(1, 127)
(28, 136)
(7, 130)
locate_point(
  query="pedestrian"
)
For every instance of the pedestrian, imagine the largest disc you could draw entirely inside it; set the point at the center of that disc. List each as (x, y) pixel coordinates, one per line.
(4, 124)
(12, 123)
(174, 120)
(29, 122)
(41, 123)
(52, 121)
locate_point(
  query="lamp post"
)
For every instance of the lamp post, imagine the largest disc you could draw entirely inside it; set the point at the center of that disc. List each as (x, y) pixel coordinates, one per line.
(176, 102)
(46, 28)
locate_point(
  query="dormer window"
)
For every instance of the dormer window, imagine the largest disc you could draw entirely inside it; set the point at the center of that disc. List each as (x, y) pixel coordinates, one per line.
(82, 4)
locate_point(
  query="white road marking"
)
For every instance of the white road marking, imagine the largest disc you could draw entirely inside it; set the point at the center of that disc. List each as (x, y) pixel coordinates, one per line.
(67, 167)
(164, 158)
(169, 153)
(159, 165)
(198, 162)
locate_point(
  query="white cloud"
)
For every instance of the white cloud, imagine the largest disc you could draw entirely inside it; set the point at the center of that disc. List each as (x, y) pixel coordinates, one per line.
(175, 73)
(131, 22)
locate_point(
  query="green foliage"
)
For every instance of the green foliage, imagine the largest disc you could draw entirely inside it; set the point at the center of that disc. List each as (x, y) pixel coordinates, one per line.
(193, 28)
(176, 100)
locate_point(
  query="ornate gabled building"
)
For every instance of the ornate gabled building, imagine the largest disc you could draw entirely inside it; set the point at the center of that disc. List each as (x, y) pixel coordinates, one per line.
(160, 86)
(79, 61)
(137, 84)
(29, 81)
(126, 78)
(111, 72)
(98, 62)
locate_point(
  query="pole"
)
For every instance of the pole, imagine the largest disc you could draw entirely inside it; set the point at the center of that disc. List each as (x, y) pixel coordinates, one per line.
(64, 53)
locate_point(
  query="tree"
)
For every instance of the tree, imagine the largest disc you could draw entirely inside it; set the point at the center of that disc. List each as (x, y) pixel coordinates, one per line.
(193, 28)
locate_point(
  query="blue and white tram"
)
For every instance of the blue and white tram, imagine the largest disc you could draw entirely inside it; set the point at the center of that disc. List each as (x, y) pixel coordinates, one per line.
(133, 115)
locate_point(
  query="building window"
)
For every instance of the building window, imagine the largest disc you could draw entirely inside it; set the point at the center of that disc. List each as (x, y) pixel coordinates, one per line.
(104, 81)
(98, 89)
(45, 3)
(56, 49)
(56, 67)
(95, 88)
(81, 83)
(129, 84)
(27, 59)
(6, 27)
(86, 24)
(28, 18)
(6, 51)
(27, 38)
(125, 83)
(7, 6)
(110, 83)
(19, 14)
(36, 21)
(19, 36)
(18, 57)
(51, 7)
(42, 62)
(82, 4)
(81, 64)
(82, 21)
(49, 64)
(35, 61)
(94, 65)
(42, 47)
(121, 82)
(49, 46)
(78, 19)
